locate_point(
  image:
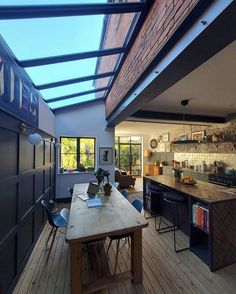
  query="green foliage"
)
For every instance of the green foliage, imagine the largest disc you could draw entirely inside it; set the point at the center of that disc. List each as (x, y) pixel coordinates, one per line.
(69, 156)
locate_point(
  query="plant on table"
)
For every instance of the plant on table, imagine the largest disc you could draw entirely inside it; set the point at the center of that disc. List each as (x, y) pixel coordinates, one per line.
(100, 174)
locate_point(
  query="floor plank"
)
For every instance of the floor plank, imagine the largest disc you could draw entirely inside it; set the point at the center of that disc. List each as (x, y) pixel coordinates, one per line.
(164, 271)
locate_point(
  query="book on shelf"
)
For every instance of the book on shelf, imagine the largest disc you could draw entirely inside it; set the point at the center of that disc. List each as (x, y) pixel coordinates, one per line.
(200, 216)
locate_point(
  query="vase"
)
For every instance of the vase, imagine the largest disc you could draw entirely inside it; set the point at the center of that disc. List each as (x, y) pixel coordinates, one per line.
(100, 190)
(107, 190)
(177, 178)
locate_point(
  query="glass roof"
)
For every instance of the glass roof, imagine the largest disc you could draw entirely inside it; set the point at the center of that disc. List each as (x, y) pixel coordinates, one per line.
(48, 37)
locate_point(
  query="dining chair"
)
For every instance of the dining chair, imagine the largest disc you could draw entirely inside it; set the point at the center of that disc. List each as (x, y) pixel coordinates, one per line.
(125, 193)
(138, 204)
(56, 220)
(116, 185)
(70, 190)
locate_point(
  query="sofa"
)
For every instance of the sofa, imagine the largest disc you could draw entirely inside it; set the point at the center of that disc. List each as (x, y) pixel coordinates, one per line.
(123, 179)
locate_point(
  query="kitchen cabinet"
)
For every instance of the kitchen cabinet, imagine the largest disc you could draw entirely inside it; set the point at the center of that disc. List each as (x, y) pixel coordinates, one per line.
(209, 216)
(153, 170)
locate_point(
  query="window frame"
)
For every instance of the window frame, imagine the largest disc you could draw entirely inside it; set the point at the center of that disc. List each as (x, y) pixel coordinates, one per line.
(78, 153)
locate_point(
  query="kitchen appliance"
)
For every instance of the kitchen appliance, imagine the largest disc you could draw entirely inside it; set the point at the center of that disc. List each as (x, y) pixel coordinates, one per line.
(223, 180)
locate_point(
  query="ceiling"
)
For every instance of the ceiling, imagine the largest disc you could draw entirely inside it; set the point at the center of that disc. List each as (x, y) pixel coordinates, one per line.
(210, 88)
(60, 44)
(143, 128)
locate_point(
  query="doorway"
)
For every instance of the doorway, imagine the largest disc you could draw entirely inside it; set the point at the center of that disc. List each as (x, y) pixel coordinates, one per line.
(129, 154)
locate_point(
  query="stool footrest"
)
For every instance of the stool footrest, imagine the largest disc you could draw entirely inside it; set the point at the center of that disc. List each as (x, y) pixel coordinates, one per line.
(179, 250)
(166, 229)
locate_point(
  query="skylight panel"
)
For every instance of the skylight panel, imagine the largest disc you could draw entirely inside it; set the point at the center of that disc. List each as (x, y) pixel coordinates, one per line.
(55, 39)
(52, 36)
(70, 89)
(75, 100)
(64, 70)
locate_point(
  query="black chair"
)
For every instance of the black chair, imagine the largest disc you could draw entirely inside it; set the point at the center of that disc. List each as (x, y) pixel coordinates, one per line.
(153, 201)
(174, 201)
(138, 204)
(56, 220)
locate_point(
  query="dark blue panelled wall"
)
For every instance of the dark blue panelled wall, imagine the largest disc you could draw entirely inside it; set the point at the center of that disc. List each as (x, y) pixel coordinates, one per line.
(27, 174)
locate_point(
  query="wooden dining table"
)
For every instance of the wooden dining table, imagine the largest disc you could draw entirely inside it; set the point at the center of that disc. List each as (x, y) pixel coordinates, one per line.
(116, 216)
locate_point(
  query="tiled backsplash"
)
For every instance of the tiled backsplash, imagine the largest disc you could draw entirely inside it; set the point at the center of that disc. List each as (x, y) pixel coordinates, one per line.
(198, 158)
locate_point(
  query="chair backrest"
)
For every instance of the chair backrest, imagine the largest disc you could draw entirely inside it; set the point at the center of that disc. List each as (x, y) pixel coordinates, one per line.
(125, 193)
(117, 175)
(116, 185)
(70, 190)
(173, 197)
(138, 204)
(47, 206)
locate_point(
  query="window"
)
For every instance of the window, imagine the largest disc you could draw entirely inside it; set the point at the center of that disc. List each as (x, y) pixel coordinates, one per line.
(128, 154)
(77, 153)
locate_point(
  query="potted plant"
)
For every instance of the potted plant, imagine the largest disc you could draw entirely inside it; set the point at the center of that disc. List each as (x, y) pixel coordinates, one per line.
(100, 174)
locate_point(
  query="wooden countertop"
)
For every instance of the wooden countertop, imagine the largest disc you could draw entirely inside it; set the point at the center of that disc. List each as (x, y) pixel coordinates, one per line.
(201, 190)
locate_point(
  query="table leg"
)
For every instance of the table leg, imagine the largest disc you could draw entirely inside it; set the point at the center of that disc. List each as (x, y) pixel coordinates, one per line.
(136, 256)
(75, 268)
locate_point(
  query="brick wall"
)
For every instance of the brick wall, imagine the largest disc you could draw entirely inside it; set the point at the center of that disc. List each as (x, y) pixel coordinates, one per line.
(163, 19)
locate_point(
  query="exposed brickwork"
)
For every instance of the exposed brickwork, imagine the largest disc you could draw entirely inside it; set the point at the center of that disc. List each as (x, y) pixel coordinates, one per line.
(162, 21)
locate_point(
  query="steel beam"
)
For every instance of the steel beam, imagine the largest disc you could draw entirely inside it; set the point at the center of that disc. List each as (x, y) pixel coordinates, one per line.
(70, 57)
(74, 81)
(144, 115)
(75, 95)
(43, 11)
(61, 108)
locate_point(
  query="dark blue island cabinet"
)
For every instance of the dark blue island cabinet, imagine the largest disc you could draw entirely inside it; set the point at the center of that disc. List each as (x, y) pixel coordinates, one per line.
(208, 218)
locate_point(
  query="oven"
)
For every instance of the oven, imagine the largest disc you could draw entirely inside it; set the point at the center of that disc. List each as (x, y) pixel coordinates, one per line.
(223, 180)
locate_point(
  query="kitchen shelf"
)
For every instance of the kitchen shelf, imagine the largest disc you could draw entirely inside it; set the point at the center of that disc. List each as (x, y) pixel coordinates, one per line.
(202, 252)
(197, 142)
(192, 146)
(185, 142)
(200, 228)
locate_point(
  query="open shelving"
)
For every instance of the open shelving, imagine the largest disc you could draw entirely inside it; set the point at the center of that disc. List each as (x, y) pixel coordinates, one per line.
(199, 230)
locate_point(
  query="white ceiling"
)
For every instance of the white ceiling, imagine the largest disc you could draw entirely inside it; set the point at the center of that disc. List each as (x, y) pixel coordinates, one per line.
(211, 88)
(142, 128)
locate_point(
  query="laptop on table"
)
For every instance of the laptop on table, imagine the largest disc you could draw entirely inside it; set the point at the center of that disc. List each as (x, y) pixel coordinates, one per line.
(92, 189)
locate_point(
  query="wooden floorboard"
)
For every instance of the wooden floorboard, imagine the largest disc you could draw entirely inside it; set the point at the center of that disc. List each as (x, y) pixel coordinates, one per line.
(164, 271)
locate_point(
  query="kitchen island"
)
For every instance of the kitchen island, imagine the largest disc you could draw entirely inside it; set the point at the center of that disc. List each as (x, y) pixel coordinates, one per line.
(210, 217)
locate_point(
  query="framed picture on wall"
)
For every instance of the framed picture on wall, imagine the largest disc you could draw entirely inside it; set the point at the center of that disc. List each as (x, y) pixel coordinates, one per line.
(105, 155)
(198, 135)
(183, 137)
(166, 137)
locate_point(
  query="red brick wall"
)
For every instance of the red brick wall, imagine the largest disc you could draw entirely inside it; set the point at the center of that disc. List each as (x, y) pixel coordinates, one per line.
(118, 26)
(163, 19)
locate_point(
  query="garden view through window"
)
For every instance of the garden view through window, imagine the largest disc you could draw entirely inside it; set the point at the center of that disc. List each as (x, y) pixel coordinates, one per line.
(77, 153)
(128, 154)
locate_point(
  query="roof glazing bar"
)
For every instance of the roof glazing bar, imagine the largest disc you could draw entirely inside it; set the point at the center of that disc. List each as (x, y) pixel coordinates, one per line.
(74, 81)
(70, 57)
(76, 95)
(78, 103)
(42, 11)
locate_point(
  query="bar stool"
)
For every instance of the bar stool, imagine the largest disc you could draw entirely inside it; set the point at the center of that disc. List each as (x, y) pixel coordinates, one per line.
(153, 201)
(174, 201)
